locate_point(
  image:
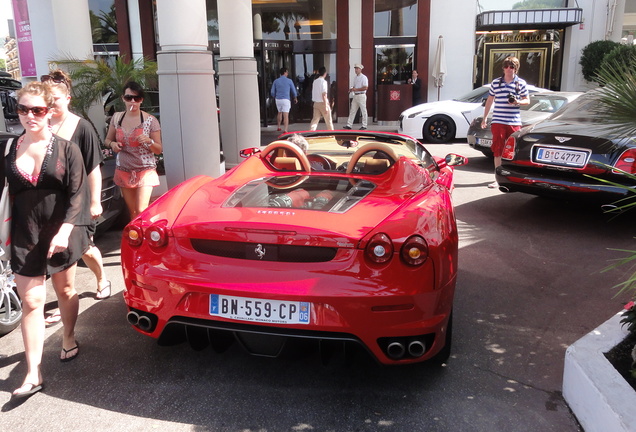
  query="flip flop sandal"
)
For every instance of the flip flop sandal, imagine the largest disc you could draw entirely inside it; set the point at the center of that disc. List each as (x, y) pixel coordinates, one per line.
(53, 319)
(66, 351)
(103, 293)
(32, 389)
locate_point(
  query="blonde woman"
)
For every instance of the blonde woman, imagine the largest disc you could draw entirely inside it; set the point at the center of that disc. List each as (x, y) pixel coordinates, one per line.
(50, 226)
(135, 136)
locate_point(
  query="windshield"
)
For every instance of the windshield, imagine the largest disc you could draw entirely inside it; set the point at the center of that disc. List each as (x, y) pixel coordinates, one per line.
(320, 193)
(544, 103)
(476, 96)
(582, 109)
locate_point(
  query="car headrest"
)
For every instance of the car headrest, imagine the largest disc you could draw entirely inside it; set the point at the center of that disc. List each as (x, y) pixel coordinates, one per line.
(285, 163)
(375, 166)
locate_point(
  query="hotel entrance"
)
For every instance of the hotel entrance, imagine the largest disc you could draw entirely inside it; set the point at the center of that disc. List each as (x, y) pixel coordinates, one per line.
(535, 60)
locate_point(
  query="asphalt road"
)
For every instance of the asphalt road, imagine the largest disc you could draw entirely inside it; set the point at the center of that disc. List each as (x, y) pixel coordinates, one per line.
(529, 285)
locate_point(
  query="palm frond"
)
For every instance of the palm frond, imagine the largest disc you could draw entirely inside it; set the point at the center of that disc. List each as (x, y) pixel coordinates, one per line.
(95, 80)
(617, 96)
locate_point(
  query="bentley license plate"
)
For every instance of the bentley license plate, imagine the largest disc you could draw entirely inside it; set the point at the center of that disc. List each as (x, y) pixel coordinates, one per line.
(562, 157)
(260, 310)
(483, 142)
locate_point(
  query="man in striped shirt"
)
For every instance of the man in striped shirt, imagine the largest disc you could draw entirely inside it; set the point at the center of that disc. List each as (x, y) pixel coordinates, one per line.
(507, 93)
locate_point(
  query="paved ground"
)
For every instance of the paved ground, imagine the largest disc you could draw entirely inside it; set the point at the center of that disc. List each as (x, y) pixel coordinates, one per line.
(529, 285)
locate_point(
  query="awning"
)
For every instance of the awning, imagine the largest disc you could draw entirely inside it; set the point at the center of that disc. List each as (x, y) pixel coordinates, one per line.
(524, 19)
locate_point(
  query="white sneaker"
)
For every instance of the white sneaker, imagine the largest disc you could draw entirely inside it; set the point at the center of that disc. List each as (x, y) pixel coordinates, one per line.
(493, 185)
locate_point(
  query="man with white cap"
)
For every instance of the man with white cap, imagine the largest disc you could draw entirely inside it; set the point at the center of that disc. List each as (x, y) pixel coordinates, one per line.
(359, 100)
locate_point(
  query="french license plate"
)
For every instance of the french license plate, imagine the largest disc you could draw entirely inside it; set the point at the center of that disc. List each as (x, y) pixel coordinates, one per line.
(562, 157)
(483, 142)
(260, 310)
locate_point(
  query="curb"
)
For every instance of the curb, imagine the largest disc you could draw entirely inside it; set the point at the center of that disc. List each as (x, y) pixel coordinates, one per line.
(596, 393)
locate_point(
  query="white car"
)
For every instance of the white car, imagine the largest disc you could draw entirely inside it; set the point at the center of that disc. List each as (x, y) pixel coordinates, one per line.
(440, 122)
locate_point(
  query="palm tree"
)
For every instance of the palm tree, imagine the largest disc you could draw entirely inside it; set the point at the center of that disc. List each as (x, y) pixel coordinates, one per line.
(618, 95)
(101, 81)
(617, 110)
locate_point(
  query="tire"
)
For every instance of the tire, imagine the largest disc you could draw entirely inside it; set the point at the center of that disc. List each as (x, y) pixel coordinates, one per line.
(439, 129)
(443, 356)
(10, 305)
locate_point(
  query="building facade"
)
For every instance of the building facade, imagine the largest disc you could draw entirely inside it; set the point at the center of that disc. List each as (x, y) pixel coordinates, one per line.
(389, 37)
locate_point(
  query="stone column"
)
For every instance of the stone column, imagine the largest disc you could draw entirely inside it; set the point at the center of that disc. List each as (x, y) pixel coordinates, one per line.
(190, 130)
(238, 84)
(134, 24)
(60, 32)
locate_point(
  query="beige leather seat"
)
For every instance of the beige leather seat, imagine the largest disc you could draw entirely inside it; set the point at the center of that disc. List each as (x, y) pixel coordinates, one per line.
(375, 166)
(285, 163)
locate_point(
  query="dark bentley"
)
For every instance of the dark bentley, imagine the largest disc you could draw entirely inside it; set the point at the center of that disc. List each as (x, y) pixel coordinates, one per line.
(570, 154)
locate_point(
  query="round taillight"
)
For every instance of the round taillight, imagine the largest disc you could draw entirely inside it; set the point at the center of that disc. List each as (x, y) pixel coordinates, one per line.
(379, 249)
(134, 235)
(156, 236)
(414, 251)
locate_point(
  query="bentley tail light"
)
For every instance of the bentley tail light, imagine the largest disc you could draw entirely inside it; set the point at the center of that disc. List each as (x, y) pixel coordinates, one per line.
(379, 249)
(414, 251)
(509, 148)
(627, 161)
(157, 234)
(133, 234)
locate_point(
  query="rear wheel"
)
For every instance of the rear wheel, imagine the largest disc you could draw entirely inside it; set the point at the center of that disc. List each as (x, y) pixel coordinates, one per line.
(439, 129)
(10, 305)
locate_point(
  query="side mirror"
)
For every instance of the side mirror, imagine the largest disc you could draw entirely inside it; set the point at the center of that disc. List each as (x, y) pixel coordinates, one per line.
(453, 159)
(247, 152)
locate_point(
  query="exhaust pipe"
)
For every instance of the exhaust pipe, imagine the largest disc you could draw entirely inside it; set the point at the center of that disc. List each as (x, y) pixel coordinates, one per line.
(396, 350)
(417, 348)
(133, 318)
(144, 323)
(504, 189)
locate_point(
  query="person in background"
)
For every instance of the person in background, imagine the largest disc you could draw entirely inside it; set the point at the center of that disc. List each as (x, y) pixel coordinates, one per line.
(300, 141)
(282, 90)
(135, 136)
(73, 128)
(507, 93)
(50, 227)
(359, 100)
(417, 85)
(321, 101)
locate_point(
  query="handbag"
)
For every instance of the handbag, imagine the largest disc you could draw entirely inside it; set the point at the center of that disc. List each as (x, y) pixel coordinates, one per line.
(147, 156)
(5, 214)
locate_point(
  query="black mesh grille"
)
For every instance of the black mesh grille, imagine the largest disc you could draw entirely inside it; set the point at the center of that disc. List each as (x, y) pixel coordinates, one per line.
(264, 251)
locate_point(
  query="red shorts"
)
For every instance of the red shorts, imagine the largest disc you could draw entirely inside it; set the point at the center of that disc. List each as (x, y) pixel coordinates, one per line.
(500, 133)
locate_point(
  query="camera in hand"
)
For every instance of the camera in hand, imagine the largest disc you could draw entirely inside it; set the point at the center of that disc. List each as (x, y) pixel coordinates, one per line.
(512, 98)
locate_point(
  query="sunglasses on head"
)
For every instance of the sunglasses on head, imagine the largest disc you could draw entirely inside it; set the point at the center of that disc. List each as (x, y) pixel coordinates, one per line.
(36, 110)
(55, 79)
(130, 98)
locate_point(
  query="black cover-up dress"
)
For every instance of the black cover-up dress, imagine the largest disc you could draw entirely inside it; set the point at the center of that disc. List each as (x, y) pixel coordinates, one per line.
(60, 195)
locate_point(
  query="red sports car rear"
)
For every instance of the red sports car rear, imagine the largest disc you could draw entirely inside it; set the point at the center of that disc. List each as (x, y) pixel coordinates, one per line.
(262, 256)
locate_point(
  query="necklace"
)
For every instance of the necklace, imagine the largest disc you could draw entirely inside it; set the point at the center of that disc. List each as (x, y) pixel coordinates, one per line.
(56, 130)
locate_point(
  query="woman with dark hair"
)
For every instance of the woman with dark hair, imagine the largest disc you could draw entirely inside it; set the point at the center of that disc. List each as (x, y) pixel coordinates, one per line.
(50, 226)
(135, 136)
